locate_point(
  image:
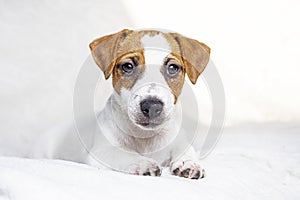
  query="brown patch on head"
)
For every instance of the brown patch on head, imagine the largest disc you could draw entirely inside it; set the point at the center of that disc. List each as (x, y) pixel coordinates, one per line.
(195, 55)
(173, 44)
(123, 80)
(130, 49)
(175, 82)
(104, 50)
(133, 41)
(191, 55)
(109, 52)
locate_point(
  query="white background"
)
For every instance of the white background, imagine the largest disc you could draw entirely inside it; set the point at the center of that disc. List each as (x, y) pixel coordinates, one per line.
(42, 47)
(255, 46)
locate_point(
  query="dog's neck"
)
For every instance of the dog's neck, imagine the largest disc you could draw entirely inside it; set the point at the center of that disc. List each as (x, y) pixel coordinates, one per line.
(132, 136)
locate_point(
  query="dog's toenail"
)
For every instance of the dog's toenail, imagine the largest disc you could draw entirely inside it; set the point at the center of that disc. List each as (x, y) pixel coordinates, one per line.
(197, 175)
(185, 173)
(147, 173)
(176, 171)
(203, 173)
(157, 172)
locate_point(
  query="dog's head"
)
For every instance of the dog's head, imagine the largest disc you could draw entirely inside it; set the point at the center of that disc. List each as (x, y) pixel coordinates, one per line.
(148, 69)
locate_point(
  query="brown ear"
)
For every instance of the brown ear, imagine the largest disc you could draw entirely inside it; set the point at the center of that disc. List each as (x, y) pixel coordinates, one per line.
(104, 50)
(195, 55)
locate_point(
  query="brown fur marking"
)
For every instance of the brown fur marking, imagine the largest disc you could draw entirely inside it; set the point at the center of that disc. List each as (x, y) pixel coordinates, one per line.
(121, 80)
(175, 83)
(110, 51)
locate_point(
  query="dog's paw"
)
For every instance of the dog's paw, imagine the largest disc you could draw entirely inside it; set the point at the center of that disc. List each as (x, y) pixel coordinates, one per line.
(145, 167)
(187, 169)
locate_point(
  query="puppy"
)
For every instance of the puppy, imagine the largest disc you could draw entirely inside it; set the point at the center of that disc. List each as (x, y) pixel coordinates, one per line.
(139, 128)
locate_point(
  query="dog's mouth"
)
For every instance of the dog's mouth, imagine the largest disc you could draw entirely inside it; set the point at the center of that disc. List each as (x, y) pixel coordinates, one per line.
(143, 124)
(147, 120)
(148, 124)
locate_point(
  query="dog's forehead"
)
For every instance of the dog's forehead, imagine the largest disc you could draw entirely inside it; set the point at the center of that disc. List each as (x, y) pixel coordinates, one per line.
(148, 39)
(157, 42)
(156, 49)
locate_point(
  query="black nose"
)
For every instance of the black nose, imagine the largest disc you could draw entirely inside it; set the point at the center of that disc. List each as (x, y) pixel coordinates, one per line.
(151, 108)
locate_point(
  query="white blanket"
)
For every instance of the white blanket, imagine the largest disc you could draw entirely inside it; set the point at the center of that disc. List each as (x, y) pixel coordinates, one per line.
(261, 162)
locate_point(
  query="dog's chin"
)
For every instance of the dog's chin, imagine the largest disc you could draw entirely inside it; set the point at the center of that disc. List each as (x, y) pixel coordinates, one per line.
(149, 125)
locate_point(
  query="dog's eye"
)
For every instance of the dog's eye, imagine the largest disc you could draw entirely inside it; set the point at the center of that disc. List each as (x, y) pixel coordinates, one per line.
(127, 68)
(173, 69)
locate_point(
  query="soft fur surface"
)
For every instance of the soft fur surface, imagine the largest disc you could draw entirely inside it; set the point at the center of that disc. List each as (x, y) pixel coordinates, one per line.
(264, 168)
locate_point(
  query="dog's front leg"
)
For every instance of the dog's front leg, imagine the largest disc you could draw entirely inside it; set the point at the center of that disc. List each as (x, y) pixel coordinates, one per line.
(118, 159)
(186, 165)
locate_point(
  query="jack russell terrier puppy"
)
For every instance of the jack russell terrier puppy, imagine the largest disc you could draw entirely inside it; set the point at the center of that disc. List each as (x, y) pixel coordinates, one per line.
(139, 128)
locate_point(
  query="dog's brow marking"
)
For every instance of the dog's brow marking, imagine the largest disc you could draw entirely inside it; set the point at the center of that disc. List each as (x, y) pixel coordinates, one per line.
(156, 42)
(127, 82)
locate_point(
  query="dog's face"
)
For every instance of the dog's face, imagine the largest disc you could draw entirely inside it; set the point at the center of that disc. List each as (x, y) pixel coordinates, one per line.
(148, 71)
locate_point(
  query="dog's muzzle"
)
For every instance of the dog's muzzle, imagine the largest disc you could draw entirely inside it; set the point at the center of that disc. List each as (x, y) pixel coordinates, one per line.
(150, 105)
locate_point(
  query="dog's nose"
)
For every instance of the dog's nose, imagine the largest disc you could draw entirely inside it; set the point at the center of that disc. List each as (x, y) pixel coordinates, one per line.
(151, 108)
